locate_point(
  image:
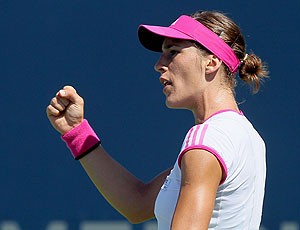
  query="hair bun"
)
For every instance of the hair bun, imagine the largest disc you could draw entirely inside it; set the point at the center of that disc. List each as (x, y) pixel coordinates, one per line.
(253, 71)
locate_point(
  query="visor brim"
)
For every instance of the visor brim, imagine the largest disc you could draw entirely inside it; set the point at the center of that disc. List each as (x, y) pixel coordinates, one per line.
(152, 37)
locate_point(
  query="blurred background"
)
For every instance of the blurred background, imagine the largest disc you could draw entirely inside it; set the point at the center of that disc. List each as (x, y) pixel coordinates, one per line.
(93, 45)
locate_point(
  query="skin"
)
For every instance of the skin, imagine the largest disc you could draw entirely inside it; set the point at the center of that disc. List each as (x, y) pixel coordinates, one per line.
(136, 199)
(192, 80)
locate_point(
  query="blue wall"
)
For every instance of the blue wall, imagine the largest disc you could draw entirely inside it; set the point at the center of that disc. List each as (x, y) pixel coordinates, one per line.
(93, 46)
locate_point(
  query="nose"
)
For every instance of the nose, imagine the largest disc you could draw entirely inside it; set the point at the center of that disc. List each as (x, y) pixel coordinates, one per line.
(160, 66)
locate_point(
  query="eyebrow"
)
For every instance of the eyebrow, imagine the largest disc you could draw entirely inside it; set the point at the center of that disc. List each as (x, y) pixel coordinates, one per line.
(174, 42)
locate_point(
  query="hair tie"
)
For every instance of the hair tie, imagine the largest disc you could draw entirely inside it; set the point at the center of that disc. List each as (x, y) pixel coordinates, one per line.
(245, 58)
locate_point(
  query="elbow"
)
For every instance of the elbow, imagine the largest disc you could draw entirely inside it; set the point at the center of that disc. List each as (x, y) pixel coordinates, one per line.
(136, 219)
(139, 217)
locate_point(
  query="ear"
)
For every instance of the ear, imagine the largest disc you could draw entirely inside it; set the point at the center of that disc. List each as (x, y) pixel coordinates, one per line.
(213, 64)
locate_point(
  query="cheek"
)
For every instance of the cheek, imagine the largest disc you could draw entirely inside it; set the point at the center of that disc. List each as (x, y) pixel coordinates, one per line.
(188, 72)
(192, 68)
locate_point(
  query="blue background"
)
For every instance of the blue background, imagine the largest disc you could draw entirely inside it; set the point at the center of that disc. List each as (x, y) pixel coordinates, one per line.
(93, 46)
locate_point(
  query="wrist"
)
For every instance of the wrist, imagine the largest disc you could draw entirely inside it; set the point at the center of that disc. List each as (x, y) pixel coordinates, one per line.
(81, 140)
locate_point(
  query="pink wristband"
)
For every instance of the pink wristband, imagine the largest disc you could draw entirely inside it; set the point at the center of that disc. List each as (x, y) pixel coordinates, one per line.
(81, 140)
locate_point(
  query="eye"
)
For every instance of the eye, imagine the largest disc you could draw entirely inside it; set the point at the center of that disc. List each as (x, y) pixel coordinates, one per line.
(173, 53)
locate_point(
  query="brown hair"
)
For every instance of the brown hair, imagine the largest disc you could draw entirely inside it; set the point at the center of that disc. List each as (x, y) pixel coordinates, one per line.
(252, 70)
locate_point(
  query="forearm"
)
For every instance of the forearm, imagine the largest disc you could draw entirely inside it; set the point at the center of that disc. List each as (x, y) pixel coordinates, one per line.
(112, 180)
(126, 193)
(130, 196)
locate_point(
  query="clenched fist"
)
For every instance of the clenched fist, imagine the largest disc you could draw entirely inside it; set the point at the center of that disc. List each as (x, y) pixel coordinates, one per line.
(66, 110)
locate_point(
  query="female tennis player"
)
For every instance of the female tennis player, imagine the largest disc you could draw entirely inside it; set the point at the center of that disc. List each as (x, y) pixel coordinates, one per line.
(218, 179)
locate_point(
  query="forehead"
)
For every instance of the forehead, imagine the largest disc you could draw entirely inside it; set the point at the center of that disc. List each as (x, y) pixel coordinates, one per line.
(169, 42)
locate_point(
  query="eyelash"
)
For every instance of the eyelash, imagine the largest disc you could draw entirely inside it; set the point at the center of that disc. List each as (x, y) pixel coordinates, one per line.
(173, 53)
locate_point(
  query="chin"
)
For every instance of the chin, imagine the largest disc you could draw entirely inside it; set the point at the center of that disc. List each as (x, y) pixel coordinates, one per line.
(173, 105)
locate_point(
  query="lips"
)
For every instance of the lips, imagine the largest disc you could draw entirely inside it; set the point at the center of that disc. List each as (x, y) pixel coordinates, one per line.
(165, 82)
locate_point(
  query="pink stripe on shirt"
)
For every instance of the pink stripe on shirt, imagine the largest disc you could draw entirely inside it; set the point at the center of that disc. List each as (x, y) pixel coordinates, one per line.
(195, 134)
(188, 138)
(199, 145)
(203, 134)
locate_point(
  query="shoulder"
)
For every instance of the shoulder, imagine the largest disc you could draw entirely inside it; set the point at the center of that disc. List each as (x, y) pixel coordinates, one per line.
(216, 128)
(201, 166)
(218, 136)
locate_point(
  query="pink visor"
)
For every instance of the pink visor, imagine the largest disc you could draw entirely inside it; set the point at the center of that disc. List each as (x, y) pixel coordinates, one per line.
(187, 28)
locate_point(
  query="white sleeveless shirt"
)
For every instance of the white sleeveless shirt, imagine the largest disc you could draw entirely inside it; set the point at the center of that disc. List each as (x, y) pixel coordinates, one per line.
(231, 138)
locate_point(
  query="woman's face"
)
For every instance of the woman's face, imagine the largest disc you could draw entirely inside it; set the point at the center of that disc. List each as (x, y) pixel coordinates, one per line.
(182, 69)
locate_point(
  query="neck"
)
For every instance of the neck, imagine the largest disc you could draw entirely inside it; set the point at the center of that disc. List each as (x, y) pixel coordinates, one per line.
(212, 104)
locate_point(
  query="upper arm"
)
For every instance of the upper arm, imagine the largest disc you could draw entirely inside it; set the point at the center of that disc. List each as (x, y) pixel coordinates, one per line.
(201, 174)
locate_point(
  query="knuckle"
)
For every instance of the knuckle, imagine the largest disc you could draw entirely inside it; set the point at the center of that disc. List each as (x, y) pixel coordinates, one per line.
(53, 101)
(50, 110)
(64, 102)
(69, 88)
(81, 100)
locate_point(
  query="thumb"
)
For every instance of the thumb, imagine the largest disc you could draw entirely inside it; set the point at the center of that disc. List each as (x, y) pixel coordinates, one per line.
(69, 93)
